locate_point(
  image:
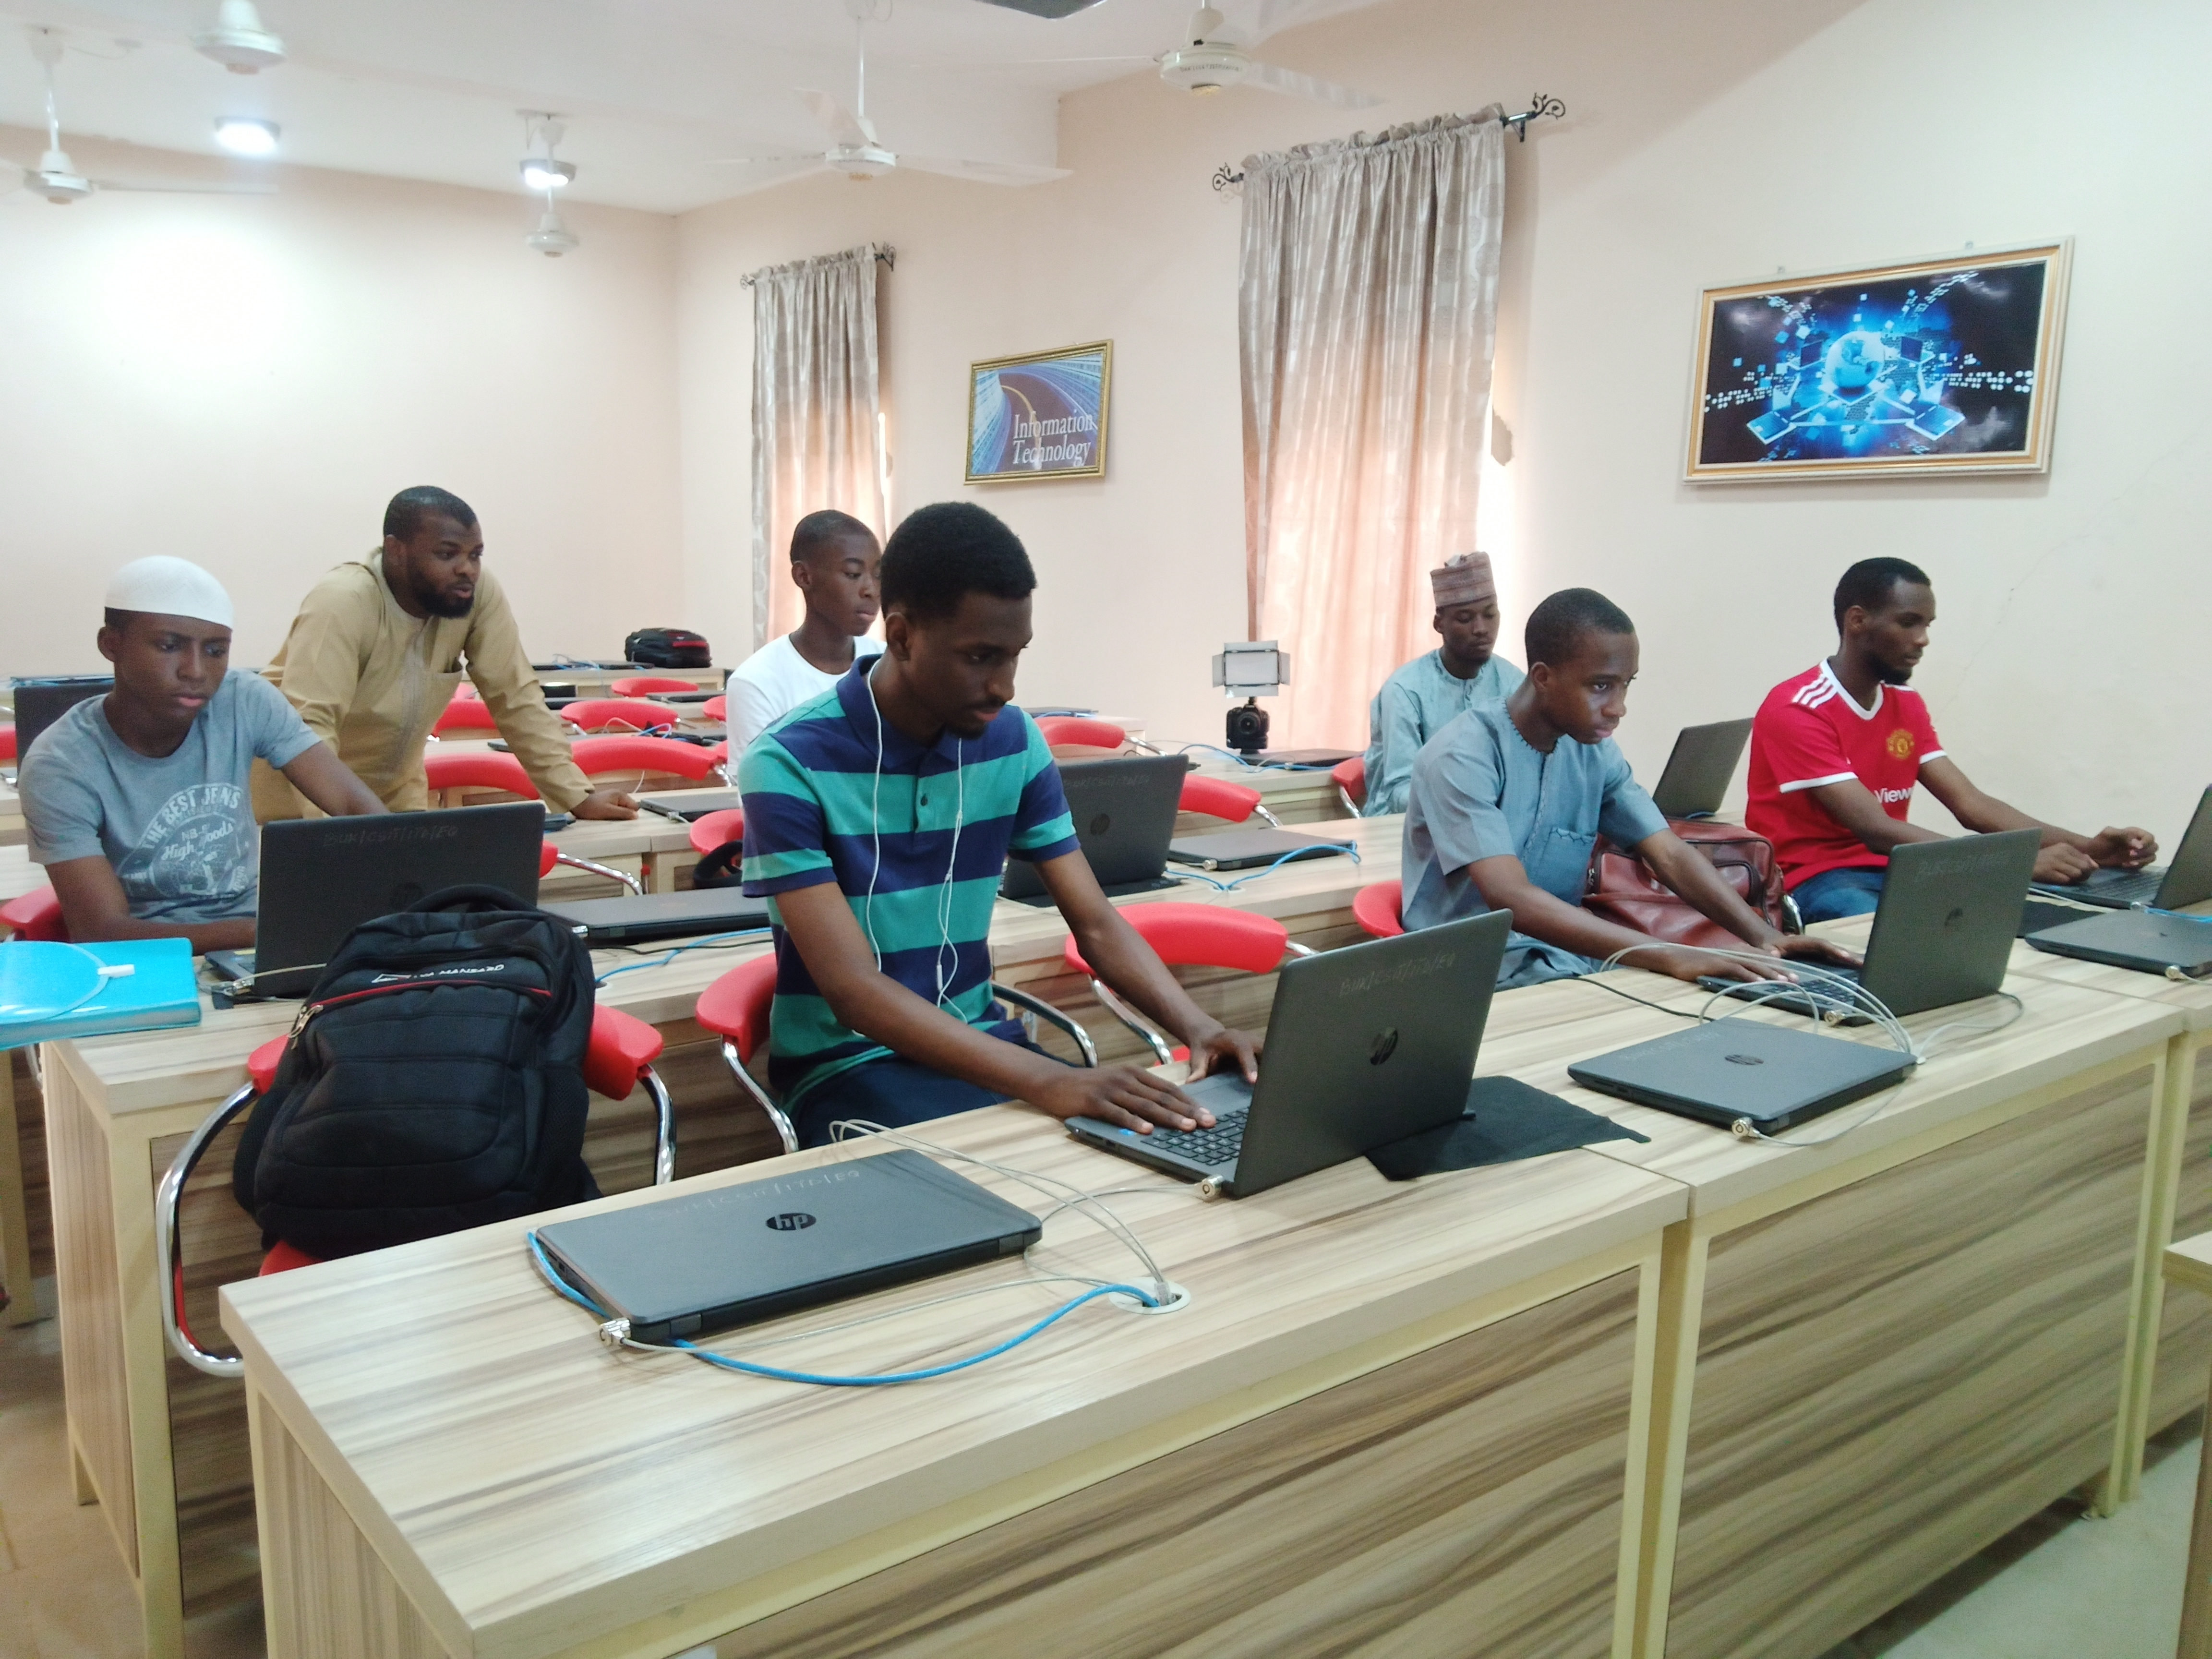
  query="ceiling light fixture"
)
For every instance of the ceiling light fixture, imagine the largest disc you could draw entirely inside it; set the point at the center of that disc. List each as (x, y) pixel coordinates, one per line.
(238, 41)
(247, 135)
(542, 172)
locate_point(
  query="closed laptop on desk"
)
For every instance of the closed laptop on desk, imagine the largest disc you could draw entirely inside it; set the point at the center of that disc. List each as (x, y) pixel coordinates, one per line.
(706, 1261)
(1772, 1076)
(641, 918)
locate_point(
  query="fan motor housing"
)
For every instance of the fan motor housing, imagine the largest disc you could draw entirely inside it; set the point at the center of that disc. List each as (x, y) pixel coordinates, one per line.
(1205, 68)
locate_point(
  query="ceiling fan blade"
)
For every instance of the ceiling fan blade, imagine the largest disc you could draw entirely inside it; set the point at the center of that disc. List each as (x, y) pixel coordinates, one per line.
(836, 120)
(813, 160)
(984, 172)
(1306, 85)
(766, 178)
(183, 190)
(1047, 9)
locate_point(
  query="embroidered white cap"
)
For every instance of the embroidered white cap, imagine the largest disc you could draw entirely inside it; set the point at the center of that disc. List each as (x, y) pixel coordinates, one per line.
(170, 587)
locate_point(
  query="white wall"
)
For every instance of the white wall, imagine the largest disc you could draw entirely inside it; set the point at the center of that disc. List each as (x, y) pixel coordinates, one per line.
(245, 381)
(1704, 144)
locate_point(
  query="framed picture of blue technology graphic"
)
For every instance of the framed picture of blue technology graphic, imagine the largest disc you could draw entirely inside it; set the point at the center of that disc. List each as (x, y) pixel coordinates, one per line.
(1948, 365)
(1042, 415)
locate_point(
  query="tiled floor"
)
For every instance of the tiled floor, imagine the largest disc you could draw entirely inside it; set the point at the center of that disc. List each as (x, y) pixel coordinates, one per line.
(2061, 1586)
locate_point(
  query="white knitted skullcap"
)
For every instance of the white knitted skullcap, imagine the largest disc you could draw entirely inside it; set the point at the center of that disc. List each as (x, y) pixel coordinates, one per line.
(169, 587)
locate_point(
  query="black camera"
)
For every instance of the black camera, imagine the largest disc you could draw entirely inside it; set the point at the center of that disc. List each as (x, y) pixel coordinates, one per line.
(1248, 727)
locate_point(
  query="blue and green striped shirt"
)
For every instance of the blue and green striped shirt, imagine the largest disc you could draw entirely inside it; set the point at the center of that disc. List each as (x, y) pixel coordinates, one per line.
(834, 793)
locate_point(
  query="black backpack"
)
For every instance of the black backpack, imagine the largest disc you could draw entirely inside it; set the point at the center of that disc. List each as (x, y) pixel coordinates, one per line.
(668, 647)
(434, 1081)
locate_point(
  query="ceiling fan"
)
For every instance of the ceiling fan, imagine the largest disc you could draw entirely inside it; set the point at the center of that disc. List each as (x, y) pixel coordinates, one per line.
(856, 151)
(56, 177)
(1206, 61)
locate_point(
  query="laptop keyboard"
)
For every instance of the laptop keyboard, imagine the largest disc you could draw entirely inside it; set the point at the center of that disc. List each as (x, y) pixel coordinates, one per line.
(1218, 1144)
(2124, 886)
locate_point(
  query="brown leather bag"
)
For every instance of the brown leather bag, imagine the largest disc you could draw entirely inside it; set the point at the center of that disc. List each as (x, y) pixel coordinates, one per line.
(1621, 888)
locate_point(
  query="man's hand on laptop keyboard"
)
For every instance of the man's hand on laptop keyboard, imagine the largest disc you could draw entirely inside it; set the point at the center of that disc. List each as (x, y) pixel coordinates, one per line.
(2061, 863)
(2123, 849)
(1126, 1096)
(1225, 1049)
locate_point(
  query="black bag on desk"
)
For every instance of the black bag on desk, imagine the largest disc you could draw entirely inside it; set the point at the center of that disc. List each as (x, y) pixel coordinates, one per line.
(667, 647)
(434, 1081)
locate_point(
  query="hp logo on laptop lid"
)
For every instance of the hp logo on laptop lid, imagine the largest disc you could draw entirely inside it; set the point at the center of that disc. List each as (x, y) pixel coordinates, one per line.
(790, 1221)
(1384, 1046)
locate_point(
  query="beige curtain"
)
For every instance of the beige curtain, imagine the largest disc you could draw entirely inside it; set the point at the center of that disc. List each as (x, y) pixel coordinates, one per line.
(1368, 314)
(815, 435)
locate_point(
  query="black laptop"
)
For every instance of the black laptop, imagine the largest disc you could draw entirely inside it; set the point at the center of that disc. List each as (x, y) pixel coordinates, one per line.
(2186, 881)
(1125, 815)
(685, 1267)
(1253, 850)
(1700, 769)
(1366, 1046)
(1942, 935)
(2176, 947)
(40, 703)
(643, 918)
(1769, 1076)
(322, 877)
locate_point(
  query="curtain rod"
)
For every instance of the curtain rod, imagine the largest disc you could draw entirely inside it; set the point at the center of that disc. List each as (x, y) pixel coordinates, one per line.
(888, 256)
(1541, 104)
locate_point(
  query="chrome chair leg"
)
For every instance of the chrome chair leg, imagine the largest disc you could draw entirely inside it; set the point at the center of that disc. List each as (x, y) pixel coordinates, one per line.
(778, 1118)
(167, 1198)
(1057, 1017)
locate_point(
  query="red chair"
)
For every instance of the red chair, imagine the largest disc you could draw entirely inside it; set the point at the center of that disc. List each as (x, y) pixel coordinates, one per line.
(620, 1057)
(1377, 909)
(7, 740)
(1192, 936)
(647, 685)
(619, 714)
(720, 752)
(35, 915)
(465, 714)
(483, 768)
(735, 1008)
(467, 689)
(719, 839)
(1085, 733)
(716, 708)
(549, 855)
(1351, 778)
(599, 757)
(1217, 798)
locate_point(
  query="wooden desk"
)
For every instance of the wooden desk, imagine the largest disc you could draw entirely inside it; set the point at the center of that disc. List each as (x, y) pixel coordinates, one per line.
(162, 1446)
(1391, 1414)
(2188, 1264)
(1882, 1352)
(593, 682)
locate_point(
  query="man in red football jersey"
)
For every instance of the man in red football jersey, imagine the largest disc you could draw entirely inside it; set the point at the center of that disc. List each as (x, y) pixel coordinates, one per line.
(1837, 751)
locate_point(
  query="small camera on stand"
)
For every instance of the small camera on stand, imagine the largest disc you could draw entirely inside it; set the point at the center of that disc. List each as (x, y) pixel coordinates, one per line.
(1251, 669)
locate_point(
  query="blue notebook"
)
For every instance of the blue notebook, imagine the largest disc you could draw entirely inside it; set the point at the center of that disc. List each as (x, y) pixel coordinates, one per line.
(50, 990)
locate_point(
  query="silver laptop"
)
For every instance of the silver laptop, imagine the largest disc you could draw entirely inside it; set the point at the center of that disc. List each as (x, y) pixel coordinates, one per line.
(1700, 769)
(2186, 881)
(1770, 1076)
(322, 877)
(685, 1266)
(1942, 934)
(1366, 1045)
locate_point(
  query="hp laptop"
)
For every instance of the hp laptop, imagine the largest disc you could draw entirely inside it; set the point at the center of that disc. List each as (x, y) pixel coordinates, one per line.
(639, 918)
(1772, 1076)
(322, 877)
(685, 1266)
(2186, 881)
(1251, 849)
(1944, 931)
(689, 805)
(2175, 946)
(1701, 768)
(1366, 1045)
(1125, 815)
(41, 702)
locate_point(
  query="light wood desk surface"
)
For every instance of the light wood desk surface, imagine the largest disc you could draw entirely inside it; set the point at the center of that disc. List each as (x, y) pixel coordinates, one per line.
(532, 1493)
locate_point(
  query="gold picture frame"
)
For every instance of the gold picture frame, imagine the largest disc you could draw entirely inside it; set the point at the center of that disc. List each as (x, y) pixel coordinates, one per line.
(1041, 415)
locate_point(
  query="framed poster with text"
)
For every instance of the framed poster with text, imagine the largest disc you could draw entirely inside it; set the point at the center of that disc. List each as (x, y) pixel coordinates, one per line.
(1041, 415)
(1945, 365)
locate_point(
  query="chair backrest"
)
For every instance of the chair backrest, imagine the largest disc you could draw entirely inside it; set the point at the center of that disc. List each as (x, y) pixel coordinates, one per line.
(482, 769)
(7, 739)
(1351, 776)
(718, 829)
(599, 755)
(741, 1000)
(35, 915)
(644, 685)
(1217, 798)
(716, 708)
(1060, 729)
(465, 714)
(548, 856)
(467, 691)
(1377, 909)
(619, 714)
(1201, 936)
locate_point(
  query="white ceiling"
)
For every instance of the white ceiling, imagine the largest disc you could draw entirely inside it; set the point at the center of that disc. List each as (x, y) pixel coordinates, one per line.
(652, 90)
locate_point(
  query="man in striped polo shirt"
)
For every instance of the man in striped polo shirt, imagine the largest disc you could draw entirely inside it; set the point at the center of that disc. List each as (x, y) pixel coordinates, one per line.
(878, 816)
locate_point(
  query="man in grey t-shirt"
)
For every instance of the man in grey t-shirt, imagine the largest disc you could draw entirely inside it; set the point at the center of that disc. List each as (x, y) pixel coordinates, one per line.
(136, 802)
(1507, 800)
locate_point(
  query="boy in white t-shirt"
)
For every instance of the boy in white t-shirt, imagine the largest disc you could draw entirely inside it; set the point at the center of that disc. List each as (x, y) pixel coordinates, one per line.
(834, 561)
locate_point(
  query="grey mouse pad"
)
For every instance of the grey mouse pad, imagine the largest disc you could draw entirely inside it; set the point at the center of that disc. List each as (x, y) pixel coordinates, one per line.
(1506, 1120)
